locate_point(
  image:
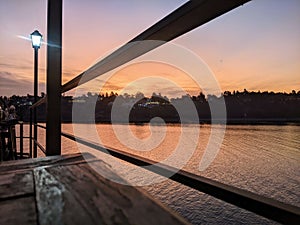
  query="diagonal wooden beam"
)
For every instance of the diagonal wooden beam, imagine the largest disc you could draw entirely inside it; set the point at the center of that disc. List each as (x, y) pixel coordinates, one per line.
(39, 102)
(188, 17)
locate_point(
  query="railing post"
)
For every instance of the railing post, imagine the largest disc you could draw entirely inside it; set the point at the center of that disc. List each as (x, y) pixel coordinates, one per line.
(21, 138)
(1, 148)
(54, 65)
(30, 134)
(13, 143)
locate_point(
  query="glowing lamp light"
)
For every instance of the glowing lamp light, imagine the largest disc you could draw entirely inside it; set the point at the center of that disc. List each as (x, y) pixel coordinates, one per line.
(36, 39)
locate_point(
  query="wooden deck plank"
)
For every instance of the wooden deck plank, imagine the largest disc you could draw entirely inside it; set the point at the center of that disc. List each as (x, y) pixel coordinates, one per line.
(88, 198)
(16, 184)
(18, 211)
(49, 197)
(29, 164)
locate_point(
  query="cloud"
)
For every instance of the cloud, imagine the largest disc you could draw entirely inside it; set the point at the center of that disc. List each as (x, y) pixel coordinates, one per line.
(15, 66)
(11, 85)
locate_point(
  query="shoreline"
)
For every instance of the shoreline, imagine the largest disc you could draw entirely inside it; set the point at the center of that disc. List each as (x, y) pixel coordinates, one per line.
(203, 122)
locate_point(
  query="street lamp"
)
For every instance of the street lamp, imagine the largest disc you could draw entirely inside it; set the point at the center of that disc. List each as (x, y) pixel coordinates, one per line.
(36, 39)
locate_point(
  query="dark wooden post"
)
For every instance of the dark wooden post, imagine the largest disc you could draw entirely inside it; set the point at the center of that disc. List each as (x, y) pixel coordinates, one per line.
(54, 67)
(30, 134)
(21, 138)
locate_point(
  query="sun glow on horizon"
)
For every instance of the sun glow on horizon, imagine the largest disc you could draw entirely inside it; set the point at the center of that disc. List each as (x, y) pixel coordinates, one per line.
(254, 47)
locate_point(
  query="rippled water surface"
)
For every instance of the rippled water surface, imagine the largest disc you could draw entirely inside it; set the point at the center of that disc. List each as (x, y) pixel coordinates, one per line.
(260, 159)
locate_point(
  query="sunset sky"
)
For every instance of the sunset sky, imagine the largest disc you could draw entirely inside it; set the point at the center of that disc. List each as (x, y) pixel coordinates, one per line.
(256, 46)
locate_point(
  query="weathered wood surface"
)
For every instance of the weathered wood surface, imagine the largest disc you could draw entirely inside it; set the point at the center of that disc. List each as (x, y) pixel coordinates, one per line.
(66, 190)
(18, 211)
(17, 199)
(29, 164)
(17, 184)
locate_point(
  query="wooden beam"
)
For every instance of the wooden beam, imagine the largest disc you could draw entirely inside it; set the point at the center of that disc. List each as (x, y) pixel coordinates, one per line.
(54, 68)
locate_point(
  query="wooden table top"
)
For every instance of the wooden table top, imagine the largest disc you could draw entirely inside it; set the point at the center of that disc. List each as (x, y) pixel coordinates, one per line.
(66, 190)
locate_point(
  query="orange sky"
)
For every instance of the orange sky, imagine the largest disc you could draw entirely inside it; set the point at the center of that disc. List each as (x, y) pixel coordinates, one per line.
(255, 46)
(149, 77)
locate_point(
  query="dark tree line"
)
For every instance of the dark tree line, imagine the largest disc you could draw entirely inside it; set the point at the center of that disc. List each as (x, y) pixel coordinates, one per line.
(241, 107)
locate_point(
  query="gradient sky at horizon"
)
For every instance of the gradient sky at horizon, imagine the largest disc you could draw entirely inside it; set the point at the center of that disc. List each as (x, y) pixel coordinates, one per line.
(256, 46)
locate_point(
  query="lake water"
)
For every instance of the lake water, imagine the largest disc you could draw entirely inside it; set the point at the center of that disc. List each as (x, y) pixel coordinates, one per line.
(261, 159)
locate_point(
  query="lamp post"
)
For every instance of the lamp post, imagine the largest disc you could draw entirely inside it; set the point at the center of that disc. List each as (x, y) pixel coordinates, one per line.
(36, 39)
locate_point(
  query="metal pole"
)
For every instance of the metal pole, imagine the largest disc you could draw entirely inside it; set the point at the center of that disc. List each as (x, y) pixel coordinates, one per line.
(54, 65)
(35, 100)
